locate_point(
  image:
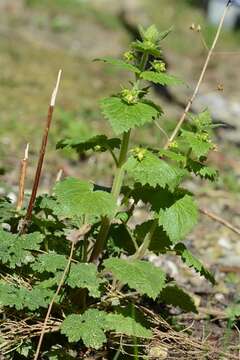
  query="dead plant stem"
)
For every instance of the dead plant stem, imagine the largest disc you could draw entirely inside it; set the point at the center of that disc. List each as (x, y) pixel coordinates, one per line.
(191, 100)
(41, 157)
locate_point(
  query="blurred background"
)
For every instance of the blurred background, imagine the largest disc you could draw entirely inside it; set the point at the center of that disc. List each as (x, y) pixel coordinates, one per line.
(38, 37)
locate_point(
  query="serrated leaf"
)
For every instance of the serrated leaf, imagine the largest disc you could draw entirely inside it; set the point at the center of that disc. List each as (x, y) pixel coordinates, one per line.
(126, 325)
(16, 250)
(154, 171)
(122, 65)
(76, 198)
(160, 242)
(203, 121)
(7, 209)
(200, 147)
(91, 325)
(179, 219)
(147, 47)
(88, 327)
(173, 295)
(51, 263)
(120, 239)
(123, 116)
(21, 298)
(157, 197)
(97, 143)
(178, 157)
(140, 275)
(151, 33)
(233, 311)
(84, 276)
(202, 170)
(190, 260)
(160, 78)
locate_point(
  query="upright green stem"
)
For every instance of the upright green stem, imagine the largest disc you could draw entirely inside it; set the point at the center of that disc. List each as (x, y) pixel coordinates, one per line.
(116, 188)
(117, 182)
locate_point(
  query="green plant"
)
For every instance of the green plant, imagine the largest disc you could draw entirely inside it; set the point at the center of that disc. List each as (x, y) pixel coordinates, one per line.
(96, 295)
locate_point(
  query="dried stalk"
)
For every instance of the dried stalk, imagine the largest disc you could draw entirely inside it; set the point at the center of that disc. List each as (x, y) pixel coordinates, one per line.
(189, 104)
(22, 177)
(220, 220)
(41, 156)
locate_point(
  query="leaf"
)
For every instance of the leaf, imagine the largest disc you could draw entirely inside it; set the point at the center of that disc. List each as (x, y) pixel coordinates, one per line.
(147, 47)
(172, 155)
(123, 116)
(127, 326)
(16, 250)
(203, 121)
(196, 141)
(122, 65)
(191, 261)
(7, 209)
(97, 143)
(51, 263)
(76, 198)
(179, 219)
(140, 275)
(91, 325)
(150, 34)
(157, 197)
(160, 78)
(120, 239)
(233, 312)
(173, 295)
(160, 242)
(154, 171)
(88, 327)
(21, 298)
(84, 276)
(202, 170)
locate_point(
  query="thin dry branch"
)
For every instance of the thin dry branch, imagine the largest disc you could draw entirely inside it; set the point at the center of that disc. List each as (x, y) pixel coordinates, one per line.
(44, 328)
(41, 156)
(189, 104)
(22, 177)
(220, 220)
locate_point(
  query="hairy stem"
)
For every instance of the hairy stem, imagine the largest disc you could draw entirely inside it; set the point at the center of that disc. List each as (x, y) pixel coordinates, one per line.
(116, 188)
(189, 104)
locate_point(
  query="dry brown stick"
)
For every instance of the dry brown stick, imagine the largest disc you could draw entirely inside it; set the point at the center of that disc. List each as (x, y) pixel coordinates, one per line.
(52, 302)
(220, 220)
(41, 156)
(22, 177)
(189, 104)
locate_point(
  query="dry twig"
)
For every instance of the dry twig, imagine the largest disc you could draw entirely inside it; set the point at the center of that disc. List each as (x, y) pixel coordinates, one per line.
(189, 104)
(22, 177)
(220, 220)
(41, 156)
